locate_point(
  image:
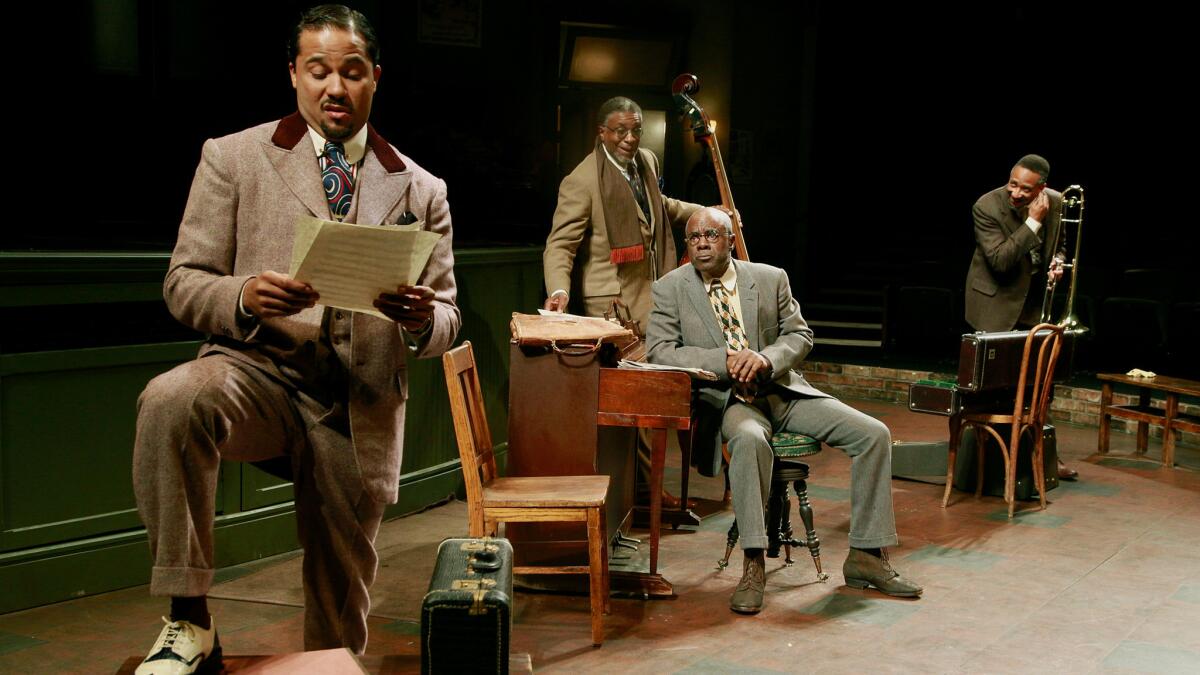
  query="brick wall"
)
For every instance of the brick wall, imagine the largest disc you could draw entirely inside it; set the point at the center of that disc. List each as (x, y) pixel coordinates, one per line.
(1071, 404)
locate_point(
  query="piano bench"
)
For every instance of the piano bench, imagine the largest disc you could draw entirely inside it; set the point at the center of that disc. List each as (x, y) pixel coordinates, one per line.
(786, 446)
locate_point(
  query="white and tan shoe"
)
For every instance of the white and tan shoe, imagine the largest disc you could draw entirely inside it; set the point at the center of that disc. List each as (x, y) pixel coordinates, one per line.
(183, 647)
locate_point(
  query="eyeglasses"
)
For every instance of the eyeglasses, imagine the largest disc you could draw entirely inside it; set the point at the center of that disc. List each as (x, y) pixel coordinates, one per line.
(622, 132)
(710, 235)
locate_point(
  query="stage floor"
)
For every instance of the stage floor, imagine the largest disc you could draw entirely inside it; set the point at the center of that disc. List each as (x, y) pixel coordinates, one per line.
(1107, 579)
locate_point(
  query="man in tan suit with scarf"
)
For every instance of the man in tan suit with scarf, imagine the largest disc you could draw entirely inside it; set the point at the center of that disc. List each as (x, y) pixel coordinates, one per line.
(610, 237)
(283, 376)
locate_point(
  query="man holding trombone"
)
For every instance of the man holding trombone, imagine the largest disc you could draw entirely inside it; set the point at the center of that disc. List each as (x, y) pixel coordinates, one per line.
(1016, 235)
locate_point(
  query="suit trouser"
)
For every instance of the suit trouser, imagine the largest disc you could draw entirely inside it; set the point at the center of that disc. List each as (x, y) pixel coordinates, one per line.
(748, 430)
(217, 407)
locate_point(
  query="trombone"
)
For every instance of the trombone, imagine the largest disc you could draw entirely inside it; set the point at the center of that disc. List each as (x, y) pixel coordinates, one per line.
(1070, 214)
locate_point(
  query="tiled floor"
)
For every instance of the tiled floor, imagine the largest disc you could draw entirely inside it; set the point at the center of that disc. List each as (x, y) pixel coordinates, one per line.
(1107, 579)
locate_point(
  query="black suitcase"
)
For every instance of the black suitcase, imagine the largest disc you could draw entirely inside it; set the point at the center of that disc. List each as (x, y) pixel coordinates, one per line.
(466, 617)
(993, 464)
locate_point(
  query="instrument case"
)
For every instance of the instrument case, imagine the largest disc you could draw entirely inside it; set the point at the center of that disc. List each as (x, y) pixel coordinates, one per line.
(993, 360)
(466, 617)
(931, 396)
(993, 464)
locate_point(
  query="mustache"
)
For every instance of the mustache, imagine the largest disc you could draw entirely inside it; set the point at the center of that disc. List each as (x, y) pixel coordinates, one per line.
(341, 103)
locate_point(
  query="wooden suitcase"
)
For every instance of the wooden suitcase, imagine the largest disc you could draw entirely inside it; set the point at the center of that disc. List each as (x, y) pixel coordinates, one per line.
(466, 617)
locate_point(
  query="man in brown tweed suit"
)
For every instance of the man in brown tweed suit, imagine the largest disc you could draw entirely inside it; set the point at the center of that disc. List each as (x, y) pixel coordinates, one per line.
(281, 374)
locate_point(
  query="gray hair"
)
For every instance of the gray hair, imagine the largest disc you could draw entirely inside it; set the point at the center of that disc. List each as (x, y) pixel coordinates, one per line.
(616, 104)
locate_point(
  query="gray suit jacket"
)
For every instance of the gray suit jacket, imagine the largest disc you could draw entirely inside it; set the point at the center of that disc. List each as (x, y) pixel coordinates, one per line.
(248, 191)
(998, 280)
(685, 332)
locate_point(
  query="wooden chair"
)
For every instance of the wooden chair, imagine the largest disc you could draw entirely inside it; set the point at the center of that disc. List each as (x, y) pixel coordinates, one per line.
(1028, 414)
(492, 500)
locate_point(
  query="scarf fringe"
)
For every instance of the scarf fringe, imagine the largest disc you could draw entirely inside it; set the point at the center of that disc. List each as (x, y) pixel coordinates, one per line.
(627, 254)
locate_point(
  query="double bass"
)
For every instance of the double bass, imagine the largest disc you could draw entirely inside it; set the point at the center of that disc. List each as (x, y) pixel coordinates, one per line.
(697, 120)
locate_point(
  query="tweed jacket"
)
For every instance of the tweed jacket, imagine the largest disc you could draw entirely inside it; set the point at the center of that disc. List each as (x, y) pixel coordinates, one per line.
(245, 198)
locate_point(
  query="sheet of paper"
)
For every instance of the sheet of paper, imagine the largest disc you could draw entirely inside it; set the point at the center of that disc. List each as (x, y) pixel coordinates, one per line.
(350, 264)
(696, 373)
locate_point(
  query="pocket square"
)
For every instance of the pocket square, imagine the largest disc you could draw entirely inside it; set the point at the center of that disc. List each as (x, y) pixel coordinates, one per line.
(407, 218)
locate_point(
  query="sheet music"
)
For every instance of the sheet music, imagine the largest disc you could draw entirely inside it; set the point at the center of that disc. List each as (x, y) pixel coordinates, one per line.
(696, 373)
(351, 264)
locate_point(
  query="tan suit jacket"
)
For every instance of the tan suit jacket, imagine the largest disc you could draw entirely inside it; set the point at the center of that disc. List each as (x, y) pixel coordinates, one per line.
(248, 192)
(577, 251)
(998, 280)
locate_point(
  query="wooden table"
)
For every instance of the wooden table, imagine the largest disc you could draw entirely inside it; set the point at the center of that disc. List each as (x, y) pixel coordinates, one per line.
(655, 400)
(1144, 414)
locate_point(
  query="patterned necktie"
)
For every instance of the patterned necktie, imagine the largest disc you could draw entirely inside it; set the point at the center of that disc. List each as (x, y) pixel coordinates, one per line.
(735, 336)
(639, 190)
(338, 178)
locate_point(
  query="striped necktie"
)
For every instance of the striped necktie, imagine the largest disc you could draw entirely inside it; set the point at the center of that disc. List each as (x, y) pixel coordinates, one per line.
(735, 335)
(639, 190)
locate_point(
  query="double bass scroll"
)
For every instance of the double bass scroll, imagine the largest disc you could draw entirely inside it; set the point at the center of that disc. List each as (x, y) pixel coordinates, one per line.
(682, 90)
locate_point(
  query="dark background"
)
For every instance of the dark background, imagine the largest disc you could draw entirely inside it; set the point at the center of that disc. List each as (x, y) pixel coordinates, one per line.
(873, 130)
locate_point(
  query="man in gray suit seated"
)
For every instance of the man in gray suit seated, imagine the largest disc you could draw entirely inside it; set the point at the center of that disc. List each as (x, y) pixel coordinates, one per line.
(281, 375)
(739, 320)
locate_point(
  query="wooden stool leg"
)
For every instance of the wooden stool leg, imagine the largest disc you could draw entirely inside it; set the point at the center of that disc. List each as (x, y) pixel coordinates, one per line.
(596, 549)
(810, 531)
(777, 518)
(731, 540)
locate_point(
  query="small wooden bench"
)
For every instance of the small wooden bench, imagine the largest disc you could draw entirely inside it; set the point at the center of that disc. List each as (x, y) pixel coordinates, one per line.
(1144, 414)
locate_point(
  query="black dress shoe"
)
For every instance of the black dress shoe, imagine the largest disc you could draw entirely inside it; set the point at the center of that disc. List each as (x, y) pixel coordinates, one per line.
(1065, 472)
(862, 569)
(748, 598)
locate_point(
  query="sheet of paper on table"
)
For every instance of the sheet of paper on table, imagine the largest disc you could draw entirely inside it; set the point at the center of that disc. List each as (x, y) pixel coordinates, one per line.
(696, 373)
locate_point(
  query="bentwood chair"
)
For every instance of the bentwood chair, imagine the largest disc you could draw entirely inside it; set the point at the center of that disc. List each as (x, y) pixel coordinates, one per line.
(492, 500)
(1029, 414)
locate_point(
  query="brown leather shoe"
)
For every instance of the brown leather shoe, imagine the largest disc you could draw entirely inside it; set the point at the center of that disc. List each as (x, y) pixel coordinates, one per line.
(862, 569)
(748, 598)
(1065, 472)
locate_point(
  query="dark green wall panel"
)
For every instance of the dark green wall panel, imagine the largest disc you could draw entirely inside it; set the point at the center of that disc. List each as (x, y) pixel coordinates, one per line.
(68, 526)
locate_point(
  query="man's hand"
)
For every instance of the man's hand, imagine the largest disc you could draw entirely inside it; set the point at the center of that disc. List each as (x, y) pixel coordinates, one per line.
(745, 365)
(409, 306)
(1039, 206)
(271, 295)
(1056, 267)
(556, 303)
